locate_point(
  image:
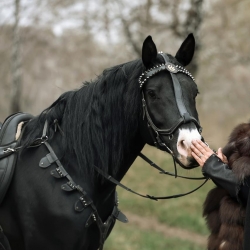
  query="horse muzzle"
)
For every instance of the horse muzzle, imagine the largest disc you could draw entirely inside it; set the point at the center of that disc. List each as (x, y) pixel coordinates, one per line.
(183, 146)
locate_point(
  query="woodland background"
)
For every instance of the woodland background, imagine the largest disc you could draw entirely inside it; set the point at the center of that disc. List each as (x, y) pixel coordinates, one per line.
(50, 46)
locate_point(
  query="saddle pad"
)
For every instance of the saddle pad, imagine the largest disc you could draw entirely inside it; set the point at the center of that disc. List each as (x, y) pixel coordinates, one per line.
(7, 139)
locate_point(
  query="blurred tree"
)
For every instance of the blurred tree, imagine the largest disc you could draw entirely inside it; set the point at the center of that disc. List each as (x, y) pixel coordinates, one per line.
(67, 41)
(16, 62)
(158, 18)
(225, 74)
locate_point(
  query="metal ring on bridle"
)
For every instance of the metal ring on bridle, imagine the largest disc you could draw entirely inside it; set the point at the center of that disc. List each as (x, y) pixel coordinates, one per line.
(171, 137)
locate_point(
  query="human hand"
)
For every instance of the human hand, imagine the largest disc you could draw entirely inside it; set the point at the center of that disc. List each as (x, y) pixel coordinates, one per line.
(222, 156)
(201, 152)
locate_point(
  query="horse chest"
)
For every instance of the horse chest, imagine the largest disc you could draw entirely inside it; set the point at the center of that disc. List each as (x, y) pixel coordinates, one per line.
(47, 215)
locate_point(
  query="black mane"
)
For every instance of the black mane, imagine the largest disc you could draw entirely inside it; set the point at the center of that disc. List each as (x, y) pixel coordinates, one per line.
(96, 118)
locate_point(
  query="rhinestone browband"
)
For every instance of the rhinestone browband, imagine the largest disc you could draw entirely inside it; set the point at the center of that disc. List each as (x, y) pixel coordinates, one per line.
(167, 66)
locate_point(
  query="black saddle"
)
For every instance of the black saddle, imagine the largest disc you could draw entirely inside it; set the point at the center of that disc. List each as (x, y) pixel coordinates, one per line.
(8, 143)
(8, 146)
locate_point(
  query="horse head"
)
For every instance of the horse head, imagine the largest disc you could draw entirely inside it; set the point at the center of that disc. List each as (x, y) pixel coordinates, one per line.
(170, 118)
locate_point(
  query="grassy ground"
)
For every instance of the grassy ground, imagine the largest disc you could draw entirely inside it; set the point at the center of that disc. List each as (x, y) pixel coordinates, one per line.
(130, 238)
(184, 212)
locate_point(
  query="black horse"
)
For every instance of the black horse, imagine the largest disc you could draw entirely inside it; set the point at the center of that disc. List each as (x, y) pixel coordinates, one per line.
(88, 135)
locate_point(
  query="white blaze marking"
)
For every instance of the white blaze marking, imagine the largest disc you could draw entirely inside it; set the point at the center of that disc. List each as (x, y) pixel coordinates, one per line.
(184, 142)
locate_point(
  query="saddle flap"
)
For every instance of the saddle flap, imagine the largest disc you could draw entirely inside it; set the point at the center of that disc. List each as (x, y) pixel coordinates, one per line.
(9, 127)
(8, 143)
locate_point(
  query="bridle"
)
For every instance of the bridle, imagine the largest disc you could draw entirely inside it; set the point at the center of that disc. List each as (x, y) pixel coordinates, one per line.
(185, 117)
(155, 132)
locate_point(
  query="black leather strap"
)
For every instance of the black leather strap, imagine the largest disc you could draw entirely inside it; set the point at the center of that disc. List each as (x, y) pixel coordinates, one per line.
(113, 180)
(162, 171)
(185, 118)
(178, 93)
(84, 201)
(179, 99)
(117, 183)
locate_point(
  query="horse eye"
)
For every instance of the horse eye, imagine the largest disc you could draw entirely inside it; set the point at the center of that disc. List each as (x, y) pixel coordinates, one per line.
(151, 93)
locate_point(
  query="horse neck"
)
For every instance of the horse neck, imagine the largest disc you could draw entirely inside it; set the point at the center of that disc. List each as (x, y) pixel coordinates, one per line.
(130, 153)
(135, 148)
(105, 190)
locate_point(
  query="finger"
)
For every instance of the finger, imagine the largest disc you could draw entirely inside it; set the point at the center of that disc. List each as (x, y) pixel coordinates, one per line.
(225, 159)
(196, 150)
(198, 159)
(222, 156)
(204, 146)
(219, 153)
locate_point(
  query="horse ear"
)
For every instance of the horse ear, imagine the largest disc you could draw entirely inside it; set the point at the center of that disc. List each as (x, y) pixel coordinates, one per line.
(185, 53)
(149, 51)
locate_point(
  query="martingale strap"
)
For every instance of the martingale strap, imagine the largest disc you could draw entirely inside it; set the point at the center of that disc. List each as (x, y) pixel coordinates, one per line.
(84, 201)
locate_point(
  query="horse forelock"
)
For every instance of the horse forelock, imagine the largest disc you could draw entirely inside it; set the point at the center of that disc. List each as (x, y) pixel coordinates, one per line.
(98, 120)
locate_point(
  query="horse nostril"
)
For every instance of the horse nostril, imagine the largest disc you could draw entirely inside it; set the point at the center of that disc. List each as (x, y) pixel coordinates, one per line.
(183, 148)
(183, 144)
